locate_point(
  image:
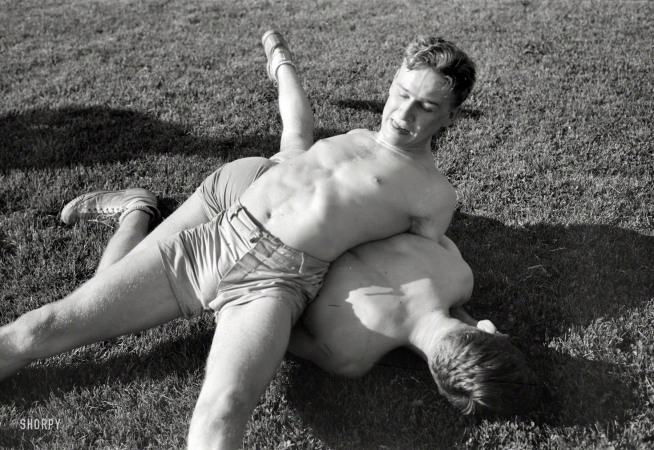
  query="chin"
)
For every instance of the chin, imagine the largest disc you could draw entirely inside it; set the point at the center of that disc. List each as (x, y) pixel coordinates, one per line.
(393, 137)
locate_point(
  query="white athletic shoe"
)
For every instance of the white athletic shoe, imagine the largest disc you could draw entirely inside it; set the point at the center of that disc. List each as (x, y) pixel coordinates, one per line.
(109, 204)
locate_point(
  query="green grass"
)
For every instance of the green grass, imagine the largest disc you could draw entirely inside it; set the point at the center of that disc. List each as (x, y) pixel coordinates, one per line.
(552, 159)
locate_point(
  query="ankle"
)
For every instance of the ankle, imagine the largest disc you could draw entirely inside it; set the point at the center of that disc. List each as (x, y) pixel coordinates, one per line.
(134, 218)
(136, 214)
(285, 71)
(281, 59)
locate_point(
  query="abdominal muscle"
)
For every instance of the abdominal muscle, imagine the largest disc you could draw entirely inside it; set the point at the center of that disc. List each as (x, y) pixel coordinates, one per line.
(327, 200)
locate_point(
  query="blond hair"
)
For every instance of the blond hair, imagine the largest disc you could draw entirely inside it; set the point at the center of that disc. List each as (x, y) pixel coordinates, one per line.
(478, 371)
(447, 60)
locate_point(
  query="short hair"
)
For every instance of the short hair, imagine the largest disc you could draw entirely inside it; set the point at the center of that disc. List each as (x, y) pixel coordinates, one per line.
(447, 60)
(477, 371)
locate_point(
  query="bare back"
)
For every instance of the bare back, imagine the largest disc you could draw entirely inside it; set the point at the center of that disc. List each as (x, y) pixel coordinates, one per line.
(348, 190)
(371, 297)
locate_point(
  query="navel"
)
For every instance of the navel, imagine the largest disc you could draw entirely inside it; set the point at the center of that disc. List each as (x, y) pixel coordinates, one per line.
(376, 180)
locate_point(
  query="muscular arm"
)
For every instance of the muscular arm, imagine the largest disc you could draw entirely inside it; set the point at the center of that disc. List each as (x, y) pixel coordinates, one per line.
(439, 207)
(432, 228)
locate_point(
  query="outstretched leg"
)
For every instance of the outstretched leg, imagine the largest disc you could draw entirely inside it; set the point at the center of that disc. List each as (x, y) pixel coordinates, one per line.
(295, 111)
(130, 296)
(248, 347)
(294, 107)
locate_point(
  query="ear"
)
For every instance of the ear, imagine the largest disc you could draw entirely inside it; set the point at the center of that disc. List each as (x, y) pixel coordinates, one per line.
(453, 115)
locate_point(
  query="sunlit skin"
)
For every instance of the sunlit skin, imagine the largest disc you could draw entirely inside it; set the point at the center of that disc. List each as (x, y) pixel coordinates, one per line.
(364, 185)
(344, 191)
(419, 104)
(402, 291)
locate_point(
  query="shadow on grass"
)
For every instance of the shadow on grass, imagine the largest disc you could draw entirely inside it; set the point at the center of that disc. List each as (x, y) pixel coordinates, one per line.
(537, 281)
(180, 355)
(580, 391)
(397, 404)
(50, 138)
(47, 138)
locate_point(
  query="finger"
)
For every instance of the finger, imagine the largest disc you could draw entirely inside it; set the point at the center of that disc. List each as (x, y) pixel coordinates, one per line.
(487, 326)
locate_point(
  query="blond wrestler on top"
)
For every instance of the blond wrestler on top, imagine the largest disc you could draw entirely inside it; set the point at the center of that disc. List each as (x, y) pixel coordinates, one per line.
(258, 263)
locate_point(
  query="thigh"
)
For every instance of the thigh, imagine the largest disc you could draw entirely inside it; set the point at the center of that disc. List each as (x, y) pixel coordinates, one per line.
(189, 215)
(248, 347)
(130, 296)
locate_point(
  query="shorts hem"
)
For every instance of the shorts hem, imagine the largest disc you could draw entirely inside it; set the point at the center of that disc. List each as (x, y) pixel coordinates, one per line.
(184, 305)
(292, 307)
(208, 211)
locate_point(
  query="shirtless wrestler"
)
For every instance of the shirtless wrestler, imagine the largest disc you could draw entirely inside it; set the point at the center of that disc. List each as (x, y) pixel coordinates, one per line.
(258, 263)
(375, 297)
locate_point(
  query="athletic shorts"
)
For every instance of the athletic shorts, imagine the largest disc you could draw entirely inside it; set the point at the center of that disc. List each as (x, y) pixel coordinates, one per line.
(223, 188)
(231, 261)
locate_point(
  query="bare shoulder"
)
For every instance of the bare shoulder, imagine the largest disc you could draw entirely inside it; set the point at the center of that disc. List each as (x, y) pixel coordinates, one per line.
(359, 130)
(442, 186)
(417, 253)
(406, 247)
(437, 200)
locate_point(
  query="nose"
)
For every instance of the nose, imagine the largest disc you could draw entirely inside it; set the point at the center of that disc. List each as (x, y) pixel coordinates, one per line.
(405, 111)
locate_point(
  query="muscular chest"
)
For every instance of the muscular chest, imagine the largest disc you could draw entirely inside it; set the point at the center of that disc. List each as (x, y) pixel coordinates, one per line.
(369, 174)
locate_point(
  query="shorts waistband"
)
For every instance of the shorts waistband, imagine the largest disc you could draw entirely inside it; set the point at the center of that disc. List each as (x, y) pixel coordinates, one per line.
(240, 219)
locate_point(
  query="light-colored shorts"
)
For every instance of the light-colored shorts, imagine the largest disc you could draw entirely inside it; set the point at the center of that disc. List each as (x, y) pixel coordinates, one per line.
(223, 188)
(231, 261)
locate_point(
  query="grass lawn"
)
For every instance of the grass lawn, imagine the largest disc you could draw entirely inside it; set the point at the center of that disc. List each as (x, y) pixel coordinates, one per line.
(552, 159)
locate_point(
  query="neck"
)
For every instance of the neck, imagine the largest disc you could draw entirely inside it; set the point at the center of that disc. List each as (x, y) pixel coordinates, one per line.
(417, 150)
(427, 330)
